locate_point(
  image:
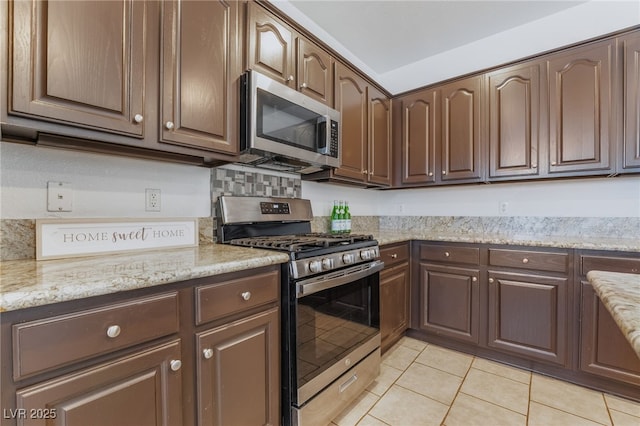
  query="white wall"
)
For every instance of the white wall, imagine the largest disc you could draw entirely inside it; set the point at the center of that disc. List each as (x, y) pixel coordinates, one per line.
(103, 185)
(586, 20)
(592, 197)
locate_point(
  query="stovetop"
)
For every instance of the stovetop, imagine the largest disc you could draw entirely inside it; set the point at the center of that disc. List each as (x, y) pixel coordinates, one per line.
(303, 242)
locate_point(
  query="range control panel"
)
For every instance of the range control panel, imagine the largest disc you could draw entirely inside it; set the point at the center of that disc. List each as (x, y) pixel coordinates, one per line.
(274, 208)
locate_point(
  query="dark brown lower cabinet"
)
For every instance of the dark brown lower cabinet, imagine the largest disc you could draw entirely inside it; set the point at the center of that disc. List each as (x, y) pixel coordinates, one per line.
(238, 372)
(528, 315)
(141, 389)
(604, 350)
(394, 304)
(450, 301)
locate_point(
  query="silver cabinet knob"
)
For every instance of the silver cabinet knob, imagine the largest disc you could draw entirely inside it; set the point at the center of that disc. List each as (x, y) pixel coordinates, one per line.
(138, 118)
(491, 280)
(175, 364)
(447, 254)
(430, 173)
(113, 331)
(207, 353)
(290, 78)
(534, 166)
(474, 279)
(246, 295)
(553, 163)
(364, 172)
(444, 172)
(303, 86)
(394, 256)
(169, 125)
(525, 260)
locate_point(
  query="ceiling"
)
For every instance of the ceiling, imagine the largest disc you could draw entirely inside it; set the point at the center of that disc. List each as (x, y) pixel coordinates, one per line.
(383, 37)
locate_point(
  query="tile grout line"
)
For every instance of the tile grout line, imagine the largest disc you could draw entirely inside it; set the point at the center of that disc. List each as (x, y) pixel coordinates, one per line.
(442, 423)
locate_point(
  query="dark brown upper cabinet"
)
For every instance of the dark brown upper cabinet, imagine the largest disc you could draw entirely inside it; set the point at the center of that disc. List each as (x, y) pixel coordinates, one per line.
(315, 72)
(462, 130)
(631, 86)
(420, 134)
(200, 69)
(582, 122)
(351, 101)
(273, 47)
(80, 63)
(270, 45)
(514, 122)
(379, 147)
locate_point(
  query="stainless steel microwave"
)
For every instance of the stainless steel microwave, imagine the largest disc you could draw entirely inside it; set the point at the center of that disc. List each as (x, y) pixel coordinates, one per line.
(282, 129)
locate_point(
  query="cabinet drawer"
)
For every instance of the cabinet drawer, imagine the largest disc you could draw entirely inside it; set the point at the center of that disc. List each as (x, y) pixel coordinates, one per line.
(611, 264)
(452, 254)
(46, 344)
(221, 299)
(392, 255)
(541, 261)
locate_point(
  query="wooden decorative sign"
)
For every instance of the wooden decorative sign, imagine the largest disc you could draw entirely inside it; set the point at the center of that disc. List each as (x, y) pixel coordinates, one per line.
(60, 238)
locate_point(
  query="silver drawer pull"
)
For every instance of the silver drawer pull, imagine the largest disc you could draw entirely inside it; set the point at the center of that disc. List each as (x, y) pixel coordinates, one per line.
(447, 254)
(113, 331)
(207, 353)
(525, 260)
(246, 295)
(175, 364)
(345, 385)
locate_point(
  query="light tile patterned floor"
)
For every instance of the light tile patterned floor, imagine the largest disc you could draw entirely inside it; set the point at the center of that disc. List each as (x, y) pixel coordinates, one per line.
(422, 384)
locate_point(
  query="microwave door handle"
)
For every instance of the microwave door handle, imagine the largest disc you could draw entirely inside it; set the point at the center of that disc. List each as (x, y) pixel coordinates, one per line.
(314, 285)
(323, 135)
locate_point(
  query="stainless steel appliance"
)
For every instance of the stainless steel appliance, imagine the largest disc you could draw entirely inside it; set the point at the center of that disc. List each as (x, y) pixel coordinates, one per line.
(330, 304)
(282, 129)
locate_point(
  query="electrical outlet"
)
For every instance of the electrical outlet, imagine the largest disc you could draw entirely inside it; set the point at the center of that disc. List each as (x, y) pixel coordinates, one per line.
(152, 200)
(59, 196)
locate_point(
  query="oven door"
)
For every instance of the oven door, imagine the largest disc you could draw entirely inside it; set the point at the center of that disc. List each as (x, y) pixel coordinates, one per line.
(337, 324)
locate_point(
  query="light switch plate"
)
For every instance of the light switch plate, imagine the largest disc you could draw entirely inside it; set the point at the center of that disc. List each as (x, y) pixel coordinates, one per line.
(59, 196)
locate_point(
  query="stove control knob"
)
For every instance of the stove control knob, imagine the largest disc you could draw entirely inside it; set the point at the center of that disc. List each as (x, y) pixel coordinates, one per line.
(327, 263)
(348, 259)
(365, 255)
(315, 266)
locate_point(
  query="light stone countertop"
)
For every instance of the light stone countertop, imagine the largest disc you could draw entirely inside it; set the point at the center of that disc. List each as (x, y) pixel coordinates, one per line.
(620, 294)
(29, 283)
(386, 236)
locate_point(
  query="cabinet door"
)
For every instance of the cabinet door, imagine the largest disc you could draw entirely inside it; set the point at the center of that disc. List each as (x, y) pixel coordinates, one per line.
(631, 141)
(514, 121)
(379, 164)
(238, 372)
(351, 101)
(581, 122)
(271, 50)
(82, 63)
(199, 72)
(450, 304)
(528, 315)
(142, 389)
(315, 72)
(394, 304)
(461, 130)
(420, 136)
(603, 348)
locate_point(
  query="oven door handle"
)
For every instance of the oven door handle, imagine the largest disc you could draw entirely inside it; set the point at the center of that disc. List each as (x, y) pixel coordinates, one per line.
(330, 280)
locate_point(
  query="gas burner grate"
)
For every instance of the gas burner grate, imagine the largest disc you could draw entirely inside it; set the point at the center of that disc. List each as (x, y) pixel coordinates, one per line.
(301, 242)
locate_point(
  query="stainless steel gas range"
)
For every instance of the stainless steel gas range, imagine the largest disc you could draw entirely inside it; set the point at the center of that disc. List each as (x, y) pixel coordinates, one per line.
(329, 305)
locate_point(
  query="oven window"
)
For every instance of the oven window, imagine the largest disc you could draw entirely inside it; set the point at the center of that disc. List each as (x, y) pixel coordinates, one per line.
(283, 121)
(332, 323)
